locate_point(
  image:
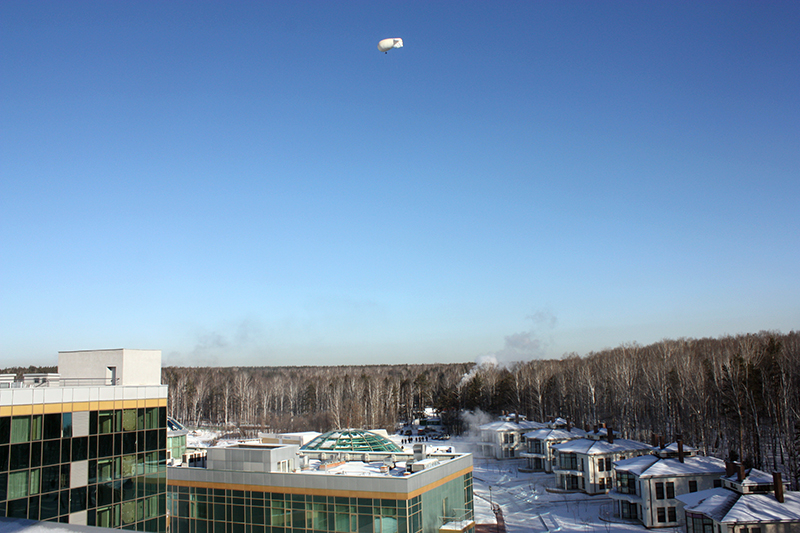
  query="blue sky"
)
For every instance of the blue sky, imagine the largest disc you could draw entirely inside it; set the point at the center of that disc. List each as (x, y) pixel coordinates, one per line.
(255, 184)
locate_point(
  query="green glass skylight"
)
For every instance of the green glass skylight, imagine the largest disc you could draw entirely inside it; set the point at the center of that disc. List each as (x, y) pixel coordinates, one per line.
(351, 440)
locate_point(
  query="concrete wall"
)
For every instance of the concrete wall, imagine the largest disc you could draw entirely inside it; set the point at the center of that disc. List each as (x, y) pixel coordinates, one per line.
(253, 458)
(133, 367)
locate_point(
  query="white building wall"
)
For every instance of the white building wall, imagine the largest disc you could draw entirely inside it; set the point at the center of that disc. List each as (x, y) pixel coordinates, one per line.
(131, 367)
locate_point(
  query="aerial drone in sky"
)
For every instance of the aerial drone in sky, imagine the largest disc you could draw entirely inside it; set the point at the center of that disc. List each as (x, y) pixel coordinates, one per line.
(387, 44)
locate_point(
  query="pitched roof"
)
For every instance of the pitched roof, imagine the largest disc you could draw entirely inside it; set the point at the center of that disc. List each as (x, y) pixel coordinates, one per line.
(689, 466)
(765, 508)
(636, 465)
(555, 434)
(729, 507)
(714, 503)
(599, 447)
(500, 426)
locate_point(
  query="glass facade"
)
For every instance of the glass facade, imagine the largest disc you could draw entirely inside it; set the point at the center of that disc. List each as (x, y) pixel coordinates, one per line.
(212, 510)
(110, 464)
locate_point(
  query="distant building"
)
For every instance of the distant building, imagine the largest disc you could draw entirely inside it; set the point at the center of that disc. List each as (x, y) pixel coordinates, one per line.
(87, 446)
(504, 440)
(342, 481)
(749, 501)
(647, 487)
(586, 464)
(538, 446)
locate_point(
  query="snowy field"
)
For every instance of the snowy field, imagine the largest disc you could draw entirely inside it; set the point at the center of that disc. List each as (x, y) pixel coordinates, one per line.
(526, 504)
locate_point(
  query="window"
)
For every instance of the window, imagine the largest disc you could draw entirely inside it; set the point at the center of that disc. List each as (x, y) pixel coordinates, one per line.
(608, 464)
(670, 490)
(661, 513)
(627, 509)
(20, 429)
(659, 491)
(569, 461)
(602, 484)
(626, 483)
(17, 485)
(601, 465)
(672, 515)
(692, 485)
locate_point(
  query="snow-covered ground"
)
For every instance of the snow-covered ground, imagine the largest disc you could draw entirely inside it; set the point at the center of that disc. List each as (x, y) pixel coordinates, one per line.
(526, 504)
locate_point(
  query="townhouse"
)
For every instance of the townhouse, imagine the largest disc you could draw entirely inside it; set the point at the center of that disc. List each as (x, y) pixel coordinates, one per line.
(586, 464)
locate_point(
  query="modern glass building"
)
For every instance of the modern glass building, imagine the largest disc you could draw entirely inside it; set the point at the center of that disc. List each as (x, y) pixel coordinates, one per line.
(279, 489)
(87, 446)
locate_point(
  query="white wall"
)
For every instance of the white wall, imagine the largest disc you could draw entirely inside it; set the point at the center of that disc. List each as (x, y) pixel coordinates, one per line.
(133, 367)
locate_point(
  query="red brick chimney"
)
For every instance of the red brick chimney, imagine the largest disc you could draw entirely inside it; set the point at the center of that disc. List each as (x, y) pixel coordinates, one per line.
(653, 440)
(679, 438)
(661, 442)
(610, 431)
(740, 472)
(730, 468)
(778, 482)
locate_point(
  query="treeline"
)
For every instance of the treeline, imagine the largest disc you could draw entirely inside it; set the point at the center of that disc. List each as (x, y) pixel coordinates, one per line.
(735, 396)
(307, 398)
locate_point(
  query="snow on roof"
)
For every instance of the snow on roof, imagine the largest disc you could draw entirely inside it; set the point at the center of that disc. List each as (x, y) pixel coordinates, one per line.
(752, 477)
(672, 447)
(714, 503)
(599, 447)
(689, 466)
(635, 465)
(555, 434)
(500, 426)
(765, 508)
(729, 507)
(530, 424)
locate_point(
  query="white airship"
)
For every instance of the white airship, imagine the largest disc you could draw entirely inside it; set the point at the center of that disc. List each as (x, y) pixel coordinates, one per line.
(387, 44)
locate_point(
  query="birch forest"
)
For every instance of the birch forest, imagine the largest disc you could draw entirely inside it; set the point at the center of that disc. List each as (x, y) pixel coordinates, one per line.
(733, 397)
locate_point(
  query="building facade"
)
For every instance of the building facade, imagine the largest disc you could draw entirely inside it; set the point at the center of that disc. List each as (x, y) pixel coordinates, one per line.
(538, 451)
(647, 487)
(749, 501)
(85, 450)
(277, 488)
(587, 464)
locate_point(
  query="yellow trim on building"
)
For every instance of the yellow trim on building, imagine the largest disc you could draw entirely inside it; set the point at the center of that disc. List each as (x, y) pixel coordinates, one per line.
(318, 492)
(72, 407)
(440, 482)
(21, 410)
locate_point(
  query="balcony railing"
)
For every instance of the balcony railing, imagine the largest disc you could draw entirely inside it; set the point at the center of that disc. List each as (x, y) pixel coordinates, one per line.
(10, 381)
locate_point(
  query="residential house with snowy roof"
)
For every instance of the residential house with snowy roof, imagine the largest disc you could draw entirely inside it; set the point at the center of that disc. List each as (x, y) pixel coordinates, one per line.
(647, 487)
(586, 464)
(504, 440)
(749, 501)
(538, 446)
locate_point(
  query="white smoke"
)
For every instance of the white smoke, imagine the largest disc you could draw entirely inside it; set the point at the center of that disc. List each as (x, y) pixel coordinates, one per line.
(481, 362)
(473, 420)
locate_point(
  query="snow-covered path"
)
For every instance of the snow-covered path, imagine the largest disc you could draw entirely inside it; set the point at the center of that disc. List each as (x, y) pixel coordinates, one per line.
(528, 507)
